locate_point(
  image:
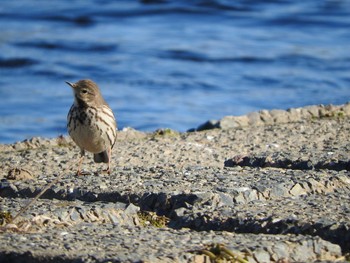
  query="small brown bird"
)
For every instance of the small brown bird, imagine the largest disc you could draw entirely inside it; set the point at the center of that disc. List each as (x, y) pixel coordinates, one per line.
(91, 123)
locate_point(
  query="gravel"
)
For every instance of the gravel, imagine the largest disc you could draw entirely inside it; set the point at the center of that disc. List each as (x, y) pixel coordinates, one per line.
(271, 186)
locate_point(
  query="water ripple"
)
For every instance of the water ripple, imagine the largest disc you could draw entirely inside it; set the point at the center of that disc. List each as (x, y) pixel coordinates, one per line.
(77, 46)
(16, 62)
(202, 57)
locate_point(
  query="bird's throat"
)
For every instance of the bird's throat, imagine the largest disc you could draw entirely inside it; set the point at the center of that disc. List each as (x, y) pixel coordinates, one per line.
(80, 103)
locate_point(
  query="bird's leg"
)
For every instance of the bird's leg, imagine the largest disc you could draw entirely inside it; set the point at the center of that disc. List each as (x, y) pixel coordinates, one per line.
(82, 153)
(108, 170)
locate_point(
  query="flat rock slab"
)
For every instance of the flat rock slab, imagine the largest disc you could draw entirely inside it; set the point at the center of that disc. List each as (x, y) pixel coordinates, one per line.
(113, 243)
(268, 192)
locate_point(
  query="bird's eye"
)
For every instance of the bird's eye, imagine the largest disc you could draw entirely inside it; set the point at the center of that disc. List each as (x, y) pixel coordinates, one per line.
(84, 91)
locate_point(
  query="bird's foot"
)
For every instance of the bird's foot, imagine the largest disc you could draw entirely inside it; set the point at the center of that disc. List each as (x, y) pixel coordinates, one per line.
(107, 171)
(81, 173)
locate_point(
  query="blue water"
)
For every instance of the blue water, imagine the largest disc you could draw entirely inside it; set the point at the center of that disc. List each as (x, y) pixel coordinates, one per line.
(169, 63)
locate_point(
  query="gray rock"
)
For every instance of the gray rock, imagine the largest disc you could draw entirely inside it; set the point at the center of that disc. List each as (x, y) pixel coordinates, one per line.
(131, 209)
(280, 251)
(295, 114)
(279, 116)
(312, 111)
(203, 197)
(233, 122)
(225, 200)
(254, 119)
(279, 190)
(115, 220)
(261, 255)
(74, 215)
(297, 189)
(180, 211)
(346, 109)
(266, 117)
(211, 124)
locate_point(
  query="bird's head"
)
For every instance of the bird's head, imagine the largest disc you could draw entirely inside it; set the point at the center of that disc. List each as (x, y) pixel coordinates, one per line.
(86, 93)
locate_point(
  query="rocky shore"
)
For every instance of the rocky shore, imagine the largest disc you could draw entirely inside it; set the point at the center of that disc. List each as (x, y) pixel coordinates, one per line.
(271, 186)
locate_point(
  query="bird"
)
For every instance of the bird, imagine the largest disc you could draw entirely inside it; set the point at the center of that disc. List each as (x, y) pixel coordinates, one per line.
(91, 123)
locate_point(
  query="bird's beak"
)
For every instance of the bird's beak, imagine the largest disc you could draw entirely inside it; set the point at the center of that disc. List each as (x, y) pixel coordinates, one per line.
(70, 84)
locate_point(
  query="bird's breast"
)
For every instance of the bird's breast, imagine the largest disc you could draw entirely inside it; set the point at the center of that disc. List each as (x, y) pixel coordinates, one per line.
(92, 129)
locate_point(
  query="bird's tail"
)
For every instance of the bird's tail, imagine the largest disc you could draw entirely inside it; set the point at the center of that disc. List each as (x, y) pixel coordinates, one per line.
(101, 157)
